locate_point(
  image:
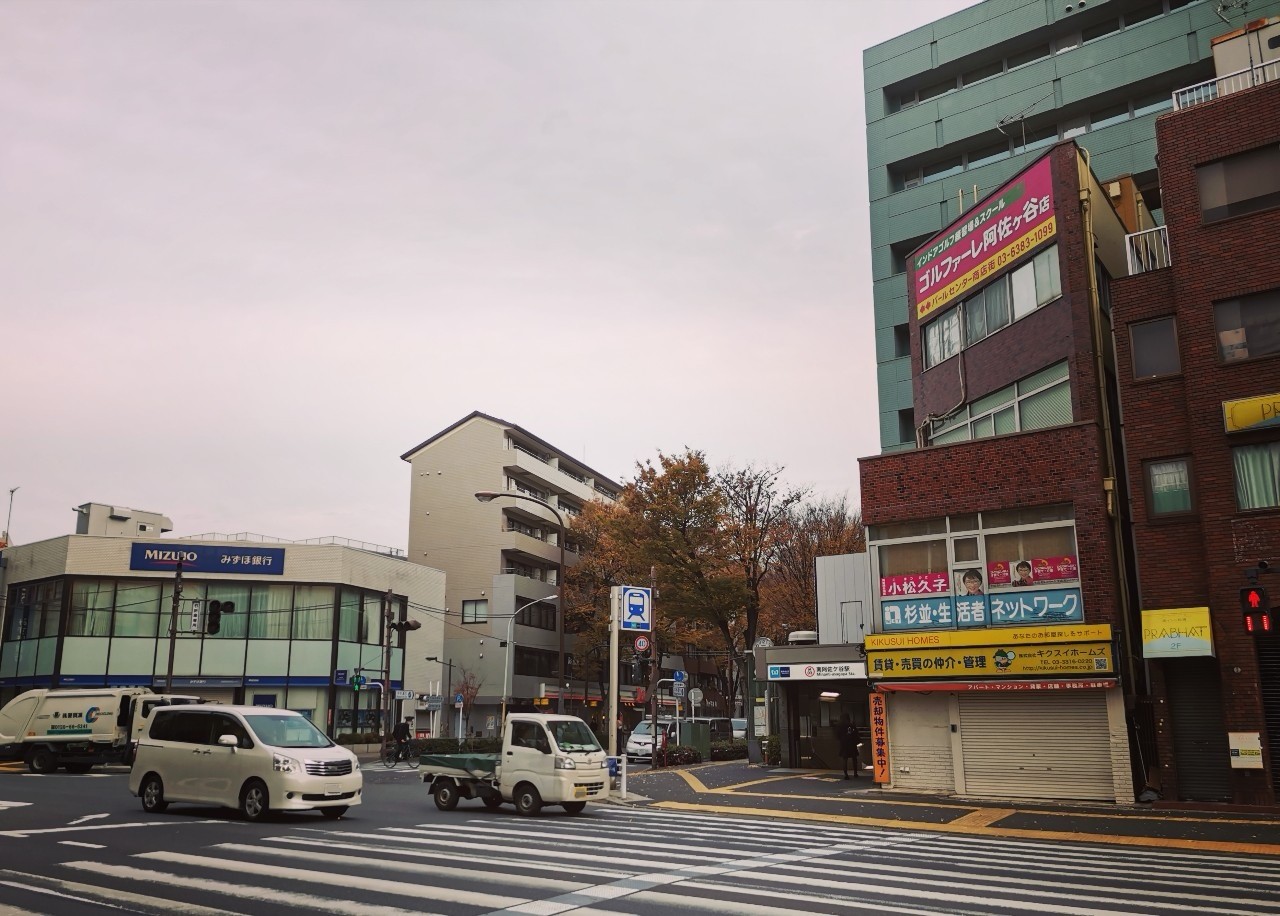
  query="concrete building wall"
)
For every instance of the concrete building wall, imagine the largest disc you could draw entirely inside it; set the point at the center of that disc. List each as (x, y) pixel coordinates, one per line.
(480, 544)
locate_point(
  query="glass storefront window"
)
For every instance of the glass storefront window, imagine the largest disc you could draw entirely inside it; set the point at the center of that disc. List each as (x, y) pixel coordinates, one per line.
(270, 607)
(313, 612)
(138, 608)
(91, 601)
(234, 625)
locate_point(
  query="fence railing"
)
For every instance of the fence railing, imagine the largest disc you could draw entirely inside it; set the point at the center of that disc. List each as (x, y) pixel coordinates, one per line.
(1148, 250)
(1225, 85)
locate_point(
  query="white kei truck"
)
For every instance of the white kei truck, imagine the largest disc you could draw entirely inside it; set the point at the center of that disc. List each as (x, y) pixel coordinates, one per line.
(74, 729)
(545, 760)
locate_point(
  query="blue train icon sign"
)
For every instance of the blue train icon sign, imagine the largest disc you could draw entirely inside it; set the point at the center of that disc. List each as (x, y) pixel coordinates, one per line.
(636, 609)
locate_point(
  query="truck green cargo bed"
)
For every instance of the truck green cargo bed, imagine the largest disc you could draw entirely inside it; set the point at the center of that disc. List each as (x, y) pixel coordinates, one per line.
(475, 766)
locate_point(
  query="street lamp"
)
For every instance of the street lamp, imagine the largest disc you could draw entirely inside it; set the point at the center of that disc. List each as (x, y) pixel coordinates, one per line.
(485, 496)
(440, 723)
(507, 672)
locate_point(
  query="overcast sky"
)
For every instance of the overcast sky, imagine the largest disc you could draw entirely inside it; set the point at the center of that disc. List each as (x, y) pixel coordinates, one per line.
(252, 252)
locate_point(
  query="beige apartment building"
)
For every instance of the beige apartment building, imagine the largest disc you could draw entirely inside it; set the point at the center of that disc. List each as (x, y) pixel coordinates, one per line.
(501, 556)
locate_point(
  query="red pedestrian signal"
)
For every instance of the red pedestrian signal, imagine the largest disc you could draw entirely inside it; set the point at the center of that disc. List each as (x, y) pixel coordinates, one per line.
(1256, 607)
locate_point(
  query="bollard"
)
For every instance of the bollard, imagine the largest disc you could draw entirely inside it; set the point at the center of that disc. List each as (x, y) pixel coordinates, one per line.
(623, 794)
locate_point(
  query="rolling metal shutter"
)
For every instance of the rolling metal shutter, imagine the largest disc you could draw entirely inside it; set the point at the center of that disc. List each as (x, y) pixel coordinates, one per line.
(1200, 749)
(1269, 685)
(1050, 745)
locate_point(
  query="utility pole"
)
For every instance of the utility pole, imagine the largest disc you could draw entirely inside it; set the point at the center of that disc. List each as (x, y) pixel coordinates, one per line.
(391, 625)
(173, 625)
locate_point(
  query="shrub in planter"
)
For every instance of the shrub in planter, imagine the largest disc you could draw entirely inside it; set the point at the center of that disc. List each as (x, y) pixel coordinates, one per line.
(682, 754)
(729, 750)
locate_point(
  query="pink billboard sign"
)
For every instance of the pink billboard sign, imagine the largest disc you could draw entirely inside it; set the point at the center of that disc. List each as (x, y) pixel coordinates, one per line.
(1024, 573)
(915, 584)
(991, 236)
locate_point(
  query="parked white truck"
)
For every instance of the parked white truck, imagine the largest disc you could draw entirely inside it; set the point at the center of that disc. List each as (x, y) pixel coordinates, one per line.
(545, 760)
(75, 729)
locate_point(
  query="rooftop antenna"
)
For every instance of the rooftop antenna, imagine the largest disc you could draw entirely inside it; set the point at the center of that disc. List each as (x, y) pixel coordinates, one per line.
(1231, 5)
(1020, 115)
(9, 520)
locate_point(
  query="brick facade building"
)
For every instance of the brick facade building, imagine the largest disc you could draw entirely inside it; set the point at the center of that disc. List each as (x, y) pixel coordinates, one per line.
(998, 542)
(1193, 336)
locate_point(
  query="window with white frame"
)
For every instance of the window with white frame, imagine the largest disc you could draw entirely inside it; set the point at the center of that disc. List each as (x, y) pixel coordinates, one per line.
(1003, 301)
(1039, 401)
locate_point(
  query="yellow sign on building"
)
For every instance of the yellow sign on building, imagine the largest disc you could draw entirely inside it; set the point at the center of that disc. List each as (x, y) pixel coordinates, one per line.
(997, 636)
(1009, 660)
(1176, 633)
(1251, 413)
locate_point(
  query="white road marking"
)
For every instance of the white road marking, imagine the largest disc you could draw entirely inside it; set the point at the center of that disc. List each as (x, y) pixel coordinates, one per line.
(87, 818)
(377, 885)
(23, 834)
(309, 902)
(85, 845)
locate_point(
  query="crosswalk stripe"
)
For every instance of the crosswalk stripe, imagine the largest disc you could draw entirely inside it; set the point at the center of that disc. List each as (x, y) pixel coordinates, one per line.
(117, 896)
(248, 892)
(709, 865)
(502, 861)
(407, 835)
(413, 868)
(441, 894)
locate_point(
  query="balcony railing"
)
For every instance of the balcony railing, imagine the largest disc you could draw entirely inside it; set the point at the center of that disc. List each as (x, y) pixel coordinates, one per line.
(1225, 85)
(1147, 250)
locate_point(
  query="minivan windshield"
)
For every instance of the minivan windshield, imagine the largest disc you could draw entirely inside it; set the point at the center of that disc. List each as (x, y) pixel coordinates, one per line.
(278, 730)
(573, 736)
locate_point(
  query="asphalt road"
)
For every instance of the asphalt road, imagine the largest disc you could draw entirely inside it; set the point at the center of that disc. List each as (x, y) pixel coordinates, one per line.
(72, 845)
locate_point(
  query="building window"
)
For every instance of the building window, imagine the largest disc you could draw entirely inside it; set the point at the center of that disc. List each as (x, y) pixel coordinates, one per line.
(907, 425)
(1248, 326)
(475, 611)
(1168, 484)
(540, 616)
(1006, 299)
(529, 662)
(313, 612)
(1039, 401)
(91, 603)
(1094, 32)
(1155, 348)
(1257, 470)
(942, 338)
(1039, 52)
(901, 340)
(1244, 183)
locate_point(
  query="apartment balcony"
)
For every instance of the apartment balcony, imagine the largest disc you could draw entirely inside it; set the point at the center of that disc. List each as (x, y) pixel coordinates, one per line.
(541, 476)
(1147, 250)
(1220, 86)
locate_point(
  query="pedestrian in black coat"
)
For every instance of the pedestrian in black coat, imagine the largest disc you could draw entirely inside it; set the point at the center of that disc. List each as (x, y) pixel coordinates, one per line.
(849, 737)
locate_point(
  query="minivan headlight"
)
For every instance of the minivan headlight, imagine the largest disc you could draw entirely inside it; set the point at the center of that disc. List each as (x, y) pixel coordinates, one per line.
(565, 763)
(282, 764)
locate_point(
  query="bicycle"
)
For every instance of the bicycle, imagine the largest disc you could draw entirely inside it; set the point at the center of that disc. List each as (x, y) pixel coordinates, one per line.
(393, 755)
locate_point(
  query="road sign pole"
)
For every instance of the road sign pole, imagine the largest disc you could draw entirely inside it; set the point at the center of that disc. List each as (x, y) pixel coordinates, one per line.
(614, 600)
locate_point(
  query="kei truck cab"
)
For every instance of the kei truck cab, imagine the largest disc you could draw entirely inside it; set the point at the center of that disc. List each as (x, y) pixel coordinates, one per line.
(74, 729)
(545, 760)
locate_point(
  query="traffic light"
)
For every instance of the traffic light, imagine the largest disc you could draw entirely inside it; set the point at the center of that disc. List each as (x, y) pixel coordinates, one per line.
(213, 618)
(1256, 607)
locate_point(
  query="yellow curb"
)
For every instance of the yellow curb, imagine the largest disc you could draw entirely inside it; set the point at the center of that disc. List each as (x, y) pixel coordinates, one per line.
(1261, 849)
(983, 817)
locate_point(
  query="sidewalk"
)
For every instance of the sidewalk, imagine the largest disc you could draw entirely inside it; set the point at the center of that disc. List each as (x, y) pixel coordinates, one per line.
(815, 795)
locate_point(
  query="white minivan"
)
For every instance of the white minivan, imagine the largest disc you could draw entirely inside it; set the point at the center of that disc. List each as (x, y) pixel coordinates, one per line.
(253, 758)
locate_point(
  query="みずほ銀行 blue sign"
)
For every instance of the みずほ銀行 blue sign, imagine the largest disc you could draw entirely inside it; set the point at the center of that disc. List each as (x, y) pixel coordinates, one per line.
(207, 558)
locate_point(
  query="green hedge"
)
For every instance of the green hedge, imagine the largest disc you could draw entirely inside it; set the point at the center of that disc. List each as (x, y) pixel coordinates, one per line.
(729, 750)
